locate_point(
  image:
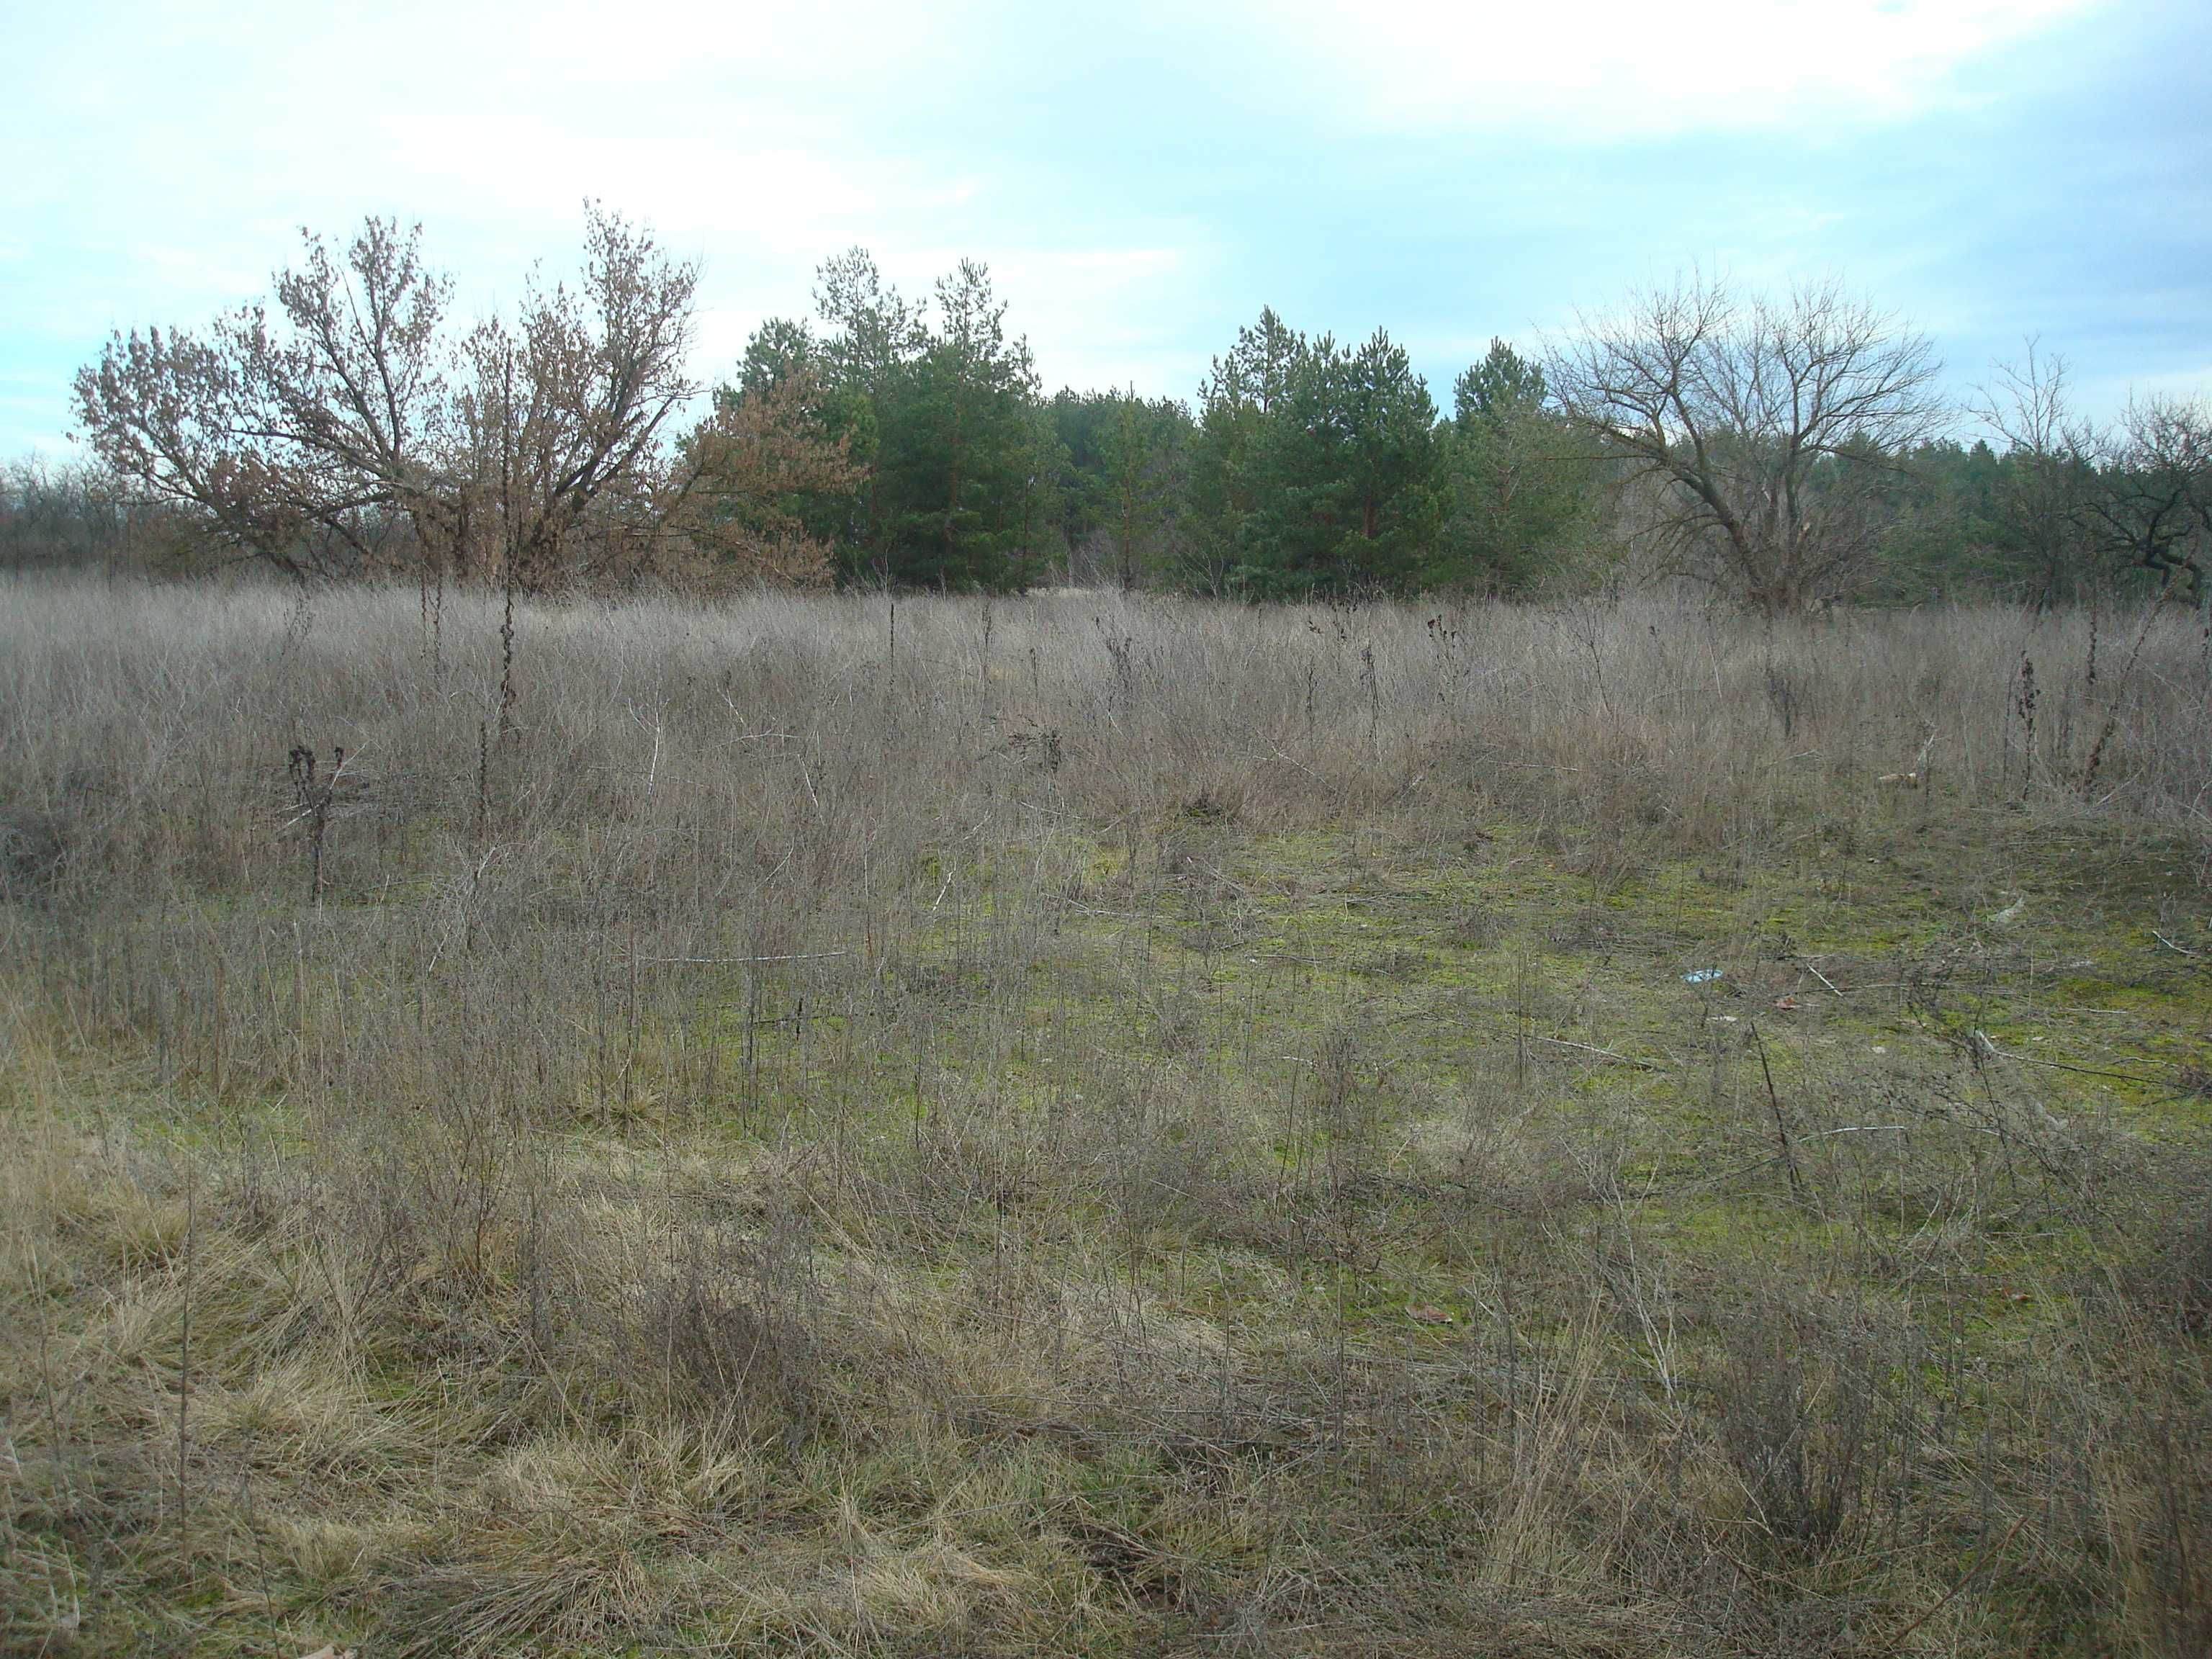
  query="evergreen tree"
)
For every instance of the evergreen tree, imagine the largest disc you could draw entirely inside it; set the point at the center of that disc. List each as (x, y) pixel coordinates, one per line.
(1078, 421)
(1125, 489)
(875, 334)
(1239, 401)
(1039, 539)
(875, 337)
(1345, 466)
(962, 460)
(1943, 537)
(1521, 487)
(1142, 453)
(1504, 383)
(779, 348)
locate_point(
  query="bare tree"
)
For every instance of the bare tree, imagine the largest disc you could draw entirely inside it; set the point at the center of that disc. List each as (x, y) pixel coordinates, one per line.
(80, 515)
(299, 441)
(350, 430)
(571, 402)
(2040, 493)
(1771, 431)
(2147, 495)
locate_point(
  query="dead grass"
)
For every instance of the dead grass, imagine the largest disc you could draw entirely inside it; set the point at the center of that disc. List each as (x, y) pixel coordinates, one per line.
(1105, 1127)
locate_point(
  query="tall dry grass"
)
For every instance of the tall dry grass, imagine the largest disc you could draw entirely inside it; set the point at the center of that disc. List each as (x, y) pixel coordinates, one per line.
(147, 727)
(736, 1158)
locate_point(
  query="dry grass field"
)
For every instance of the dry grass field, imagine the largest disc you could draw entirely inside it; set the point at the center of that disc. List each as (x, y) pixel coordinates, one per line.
(1083, 1124)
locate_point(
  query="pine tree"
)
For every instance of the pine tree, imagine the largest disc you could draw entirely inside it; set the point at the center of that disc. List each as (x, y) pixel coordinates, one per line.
(1521, 487)
(958, 468)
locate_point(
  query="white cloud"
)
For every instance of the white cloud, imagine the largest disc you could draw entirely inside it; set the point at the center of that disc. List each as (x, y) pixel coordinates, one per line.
(1096, 315)
(1609, 70)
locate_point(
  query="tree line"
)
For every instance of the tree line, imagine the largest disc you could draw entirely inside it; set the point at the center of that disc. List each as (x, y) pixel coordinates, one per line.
(1787, 450)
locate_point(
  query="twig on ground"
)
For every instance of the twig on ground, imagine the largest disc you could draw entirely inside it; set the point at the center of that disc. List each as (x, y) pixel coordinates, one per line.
(800, 956)
(1992, 1048)
(1602, 1053)
(1781, 1125)
(1824, 979)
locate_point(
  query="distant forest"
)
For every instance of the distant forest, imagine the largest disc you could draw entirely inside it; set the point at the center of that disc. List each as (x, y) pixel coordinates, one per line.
(1789, 451)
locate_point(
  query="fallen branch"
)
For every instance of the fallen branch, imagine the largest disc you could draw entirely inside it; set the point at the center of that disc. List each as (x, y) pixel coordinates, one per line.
(1602, 1053)
(717, 962)
(1992, 1048)
(1823, 978)
(1781, 1125)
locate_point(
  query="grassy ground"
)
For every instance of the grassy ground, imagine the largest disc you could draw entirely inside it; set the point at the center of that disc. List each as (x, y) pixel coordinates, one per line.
(1087, 1127)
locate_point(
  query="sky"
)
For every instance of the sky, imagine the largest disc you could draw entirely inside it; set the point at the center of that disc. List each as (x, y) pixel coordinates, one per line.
(1140, 178)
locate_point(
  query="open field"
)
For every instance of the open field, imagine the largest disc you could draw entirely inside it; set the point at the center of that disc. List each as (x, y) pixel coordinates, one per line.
(1089, 1126)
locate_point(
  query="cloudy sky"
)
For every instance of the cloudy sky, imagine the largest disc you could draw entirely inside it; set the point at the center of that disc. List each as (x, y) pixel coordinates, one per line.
(1140, 177)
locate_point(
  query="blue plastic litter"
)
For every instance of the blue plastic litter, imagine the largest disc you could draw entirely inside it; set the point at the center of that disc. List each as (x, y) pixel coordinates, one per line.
(1701, 975)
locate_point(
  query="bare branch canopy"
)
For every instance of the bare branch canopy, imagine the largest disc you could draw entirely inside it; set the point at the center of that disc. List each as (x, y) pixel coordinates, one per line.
(1761, 434)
